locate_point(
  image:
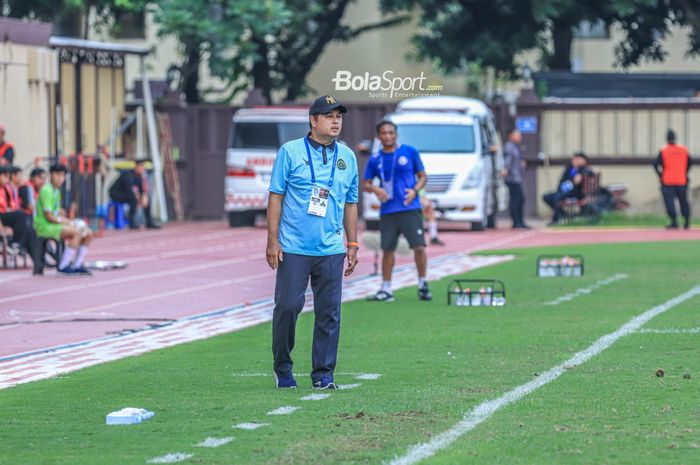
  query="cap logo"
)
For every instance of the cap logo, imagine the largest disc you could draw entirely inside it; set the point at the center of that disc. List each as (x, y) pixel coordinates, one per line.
(330, 100)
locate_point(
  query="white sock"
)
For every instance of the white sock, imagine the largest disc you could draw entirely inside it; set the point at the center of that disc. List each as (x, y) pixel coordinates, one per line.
(386, 286)
(432, 227)
(422, 282)
(67, 257)
(82, 251)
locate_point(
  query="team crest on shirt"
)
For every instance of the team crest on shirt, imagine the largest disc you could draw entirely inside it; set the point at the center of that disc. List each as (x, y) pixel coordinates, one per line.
(341, 164)
(403, 160)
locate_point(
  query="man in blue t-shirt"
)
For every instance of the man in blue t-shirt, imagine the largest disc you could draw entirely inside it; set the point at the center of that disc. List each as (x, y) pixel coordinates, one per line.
(402, 175)
(313, 198)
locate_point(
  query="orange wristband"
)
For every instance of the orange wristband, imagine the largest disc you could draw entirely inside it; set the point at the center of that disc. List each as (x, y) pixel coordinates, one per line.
(354, 244)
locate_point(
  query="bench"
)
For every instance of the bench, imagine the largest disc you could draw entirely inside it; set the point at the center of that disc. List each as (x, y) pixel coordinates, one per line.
(42, 250)
(590, 206)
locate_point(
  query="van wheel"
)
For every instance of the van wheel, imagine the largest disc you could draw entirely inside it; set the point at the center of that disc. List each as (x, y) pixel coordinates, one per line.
(477, 225)
(239, 219)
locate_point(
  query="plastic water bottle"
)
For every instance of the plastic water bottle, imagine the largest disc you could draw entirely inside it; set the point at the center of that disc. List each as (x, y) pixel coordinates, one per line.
(476, 300)
(487, 296)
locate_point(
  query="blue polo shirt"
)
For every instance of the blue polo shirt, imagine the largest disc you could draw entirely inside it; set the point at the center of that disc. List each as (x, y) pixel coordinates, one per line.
(302, 233)
(406, 163)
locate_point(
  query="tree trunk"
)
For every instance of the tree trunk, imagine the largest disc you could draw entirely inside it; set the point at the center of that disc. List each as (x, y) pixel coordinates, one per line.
(562, 38)
(190, 73)
(261, 70)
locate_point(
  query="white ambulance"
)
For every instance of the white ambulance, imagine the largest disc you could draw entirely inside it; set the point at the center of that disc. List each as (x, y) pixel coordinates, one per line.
(256, 135)
(462, 154)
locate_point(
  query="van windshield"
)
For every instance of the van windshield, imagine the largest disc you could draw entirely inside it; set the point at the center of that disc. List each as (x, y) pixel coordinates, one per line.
(446, 138)
(266, 135)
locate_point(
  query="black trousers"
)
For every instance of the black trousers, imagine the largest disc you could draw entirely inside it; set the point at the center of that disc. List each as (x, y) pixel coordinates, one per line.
(293, 274)
(516, 202)
(554, 199)
(17, 220)
(130, 198)
(671, 193)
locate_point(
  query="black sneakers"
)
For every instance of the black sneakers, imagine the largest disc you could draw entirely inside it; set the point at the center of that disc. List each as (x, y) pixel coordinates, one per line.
(381, 296)
(424, 293)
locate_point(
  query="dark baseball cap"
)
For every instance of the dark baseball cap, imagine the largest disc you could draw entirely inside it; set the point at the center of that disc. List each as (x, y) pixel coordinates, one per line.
(325, 104)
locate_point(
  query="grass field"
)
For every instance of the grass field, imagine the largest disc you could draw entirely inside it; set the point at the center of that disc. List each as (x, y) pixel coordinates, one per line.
(436, 363)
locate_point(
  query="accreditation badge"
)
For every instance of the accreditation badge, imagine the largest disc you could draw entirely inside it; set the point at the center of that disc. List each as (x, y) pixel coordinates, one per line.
(318, 204)
(389, 189)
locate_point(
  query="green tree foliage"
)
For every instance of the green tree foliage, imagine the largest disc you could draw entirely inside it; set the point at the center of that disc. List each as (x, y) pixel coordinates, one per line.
(68, 16)
(271, 45)
(456, 32)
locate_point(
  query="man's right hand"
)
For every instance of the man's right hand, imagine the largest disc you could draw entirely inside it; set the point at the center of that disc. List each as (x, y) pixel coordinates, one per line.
(273, 254)
(381, 194)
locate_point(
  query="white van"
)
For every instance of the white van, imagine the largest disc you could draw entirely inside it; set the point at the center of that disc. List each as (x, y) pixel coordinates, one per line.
(462, 154)
(256, 135)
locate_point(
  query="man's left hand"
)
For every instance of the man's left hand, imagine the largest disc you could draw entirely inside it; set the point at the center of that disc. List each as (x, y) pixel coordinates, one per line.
(352, 260)
(410, 195)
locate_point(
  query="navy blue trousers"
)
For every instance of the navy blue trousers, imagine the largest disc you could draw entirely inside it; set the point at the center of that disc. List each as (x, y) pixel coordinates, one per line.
(293, 275)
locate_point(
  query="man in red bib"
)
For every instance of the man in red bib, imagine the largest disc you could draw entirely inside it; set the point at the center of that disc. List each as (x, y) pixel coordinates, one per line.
(7, 151)
(672, 166)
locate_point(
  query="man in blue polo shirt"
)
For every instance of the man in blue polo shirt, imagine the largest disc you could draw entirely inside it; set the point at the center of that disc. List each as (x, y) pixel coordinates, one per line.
(313, 198)
(402, 176)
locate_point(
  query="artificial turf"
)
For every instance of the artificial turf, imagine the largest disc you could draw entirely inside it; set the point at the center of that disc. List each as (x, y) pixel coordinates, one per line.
(437, 362)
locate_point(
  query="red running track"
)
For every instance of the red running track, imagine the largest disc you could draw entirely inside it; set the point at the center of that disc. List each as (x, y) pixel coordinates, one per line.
(191, 268)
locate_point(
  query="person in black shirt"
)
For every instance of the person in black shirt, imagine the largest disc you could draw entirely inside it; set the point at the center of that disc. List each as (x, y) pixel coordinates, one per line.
(131, 187)
(570, 184)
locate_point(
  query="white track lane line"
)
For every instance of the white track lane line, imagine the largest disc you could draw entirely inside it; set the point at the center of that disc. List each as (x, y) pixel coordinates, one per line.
(131, 278)
(368, 376)
(316, 397)
(283, 410)
(147, 298)
(587, 290)
(250, 426)
(214, 442)
(171, 458)
(348, 386)
(483, 411)
(669, 331)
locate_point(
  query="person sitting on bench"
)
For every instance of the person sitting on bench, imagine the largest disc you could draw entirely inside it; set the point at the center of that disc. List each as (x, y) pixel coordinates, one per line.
(10, 214)
(570, 185)
(29, 191)
(131, 188)
(50, 222)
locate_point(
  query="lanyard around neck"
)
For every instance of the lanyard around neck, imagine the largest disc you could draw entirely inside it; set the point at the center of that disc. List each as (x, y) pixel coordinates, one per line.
(381, 165)
(311, 163)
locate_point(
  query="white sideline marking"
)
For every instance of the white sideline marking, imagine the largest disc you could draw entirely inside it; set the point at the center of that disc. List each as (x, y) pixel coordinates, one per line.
(483, 411)
(171, 458)
(283, 410)
(670, 331)
(214, 442)
(250, 426)
(349, 386)
(589, 289)
(370, 376)
(316, 397)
